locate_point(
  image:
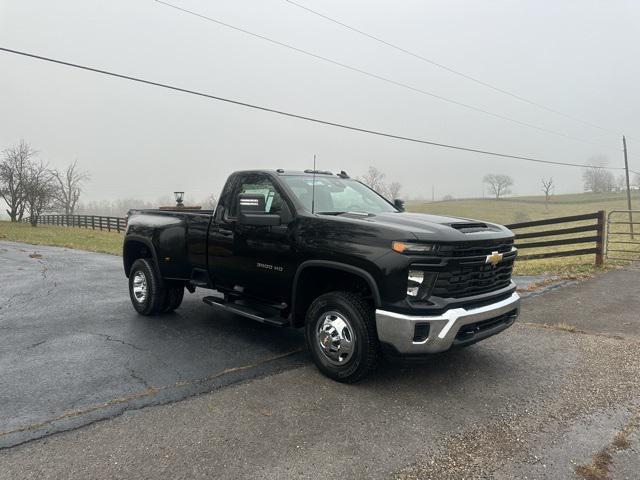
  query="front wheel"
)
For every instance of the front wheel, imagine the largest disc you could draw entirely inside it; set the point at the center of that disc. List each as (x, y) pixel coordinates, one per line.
(341, 336)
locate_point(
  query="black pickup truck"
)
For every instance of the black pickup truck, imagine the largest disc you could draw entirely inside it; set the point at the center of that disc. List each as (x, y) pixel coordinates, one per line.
(326, 253)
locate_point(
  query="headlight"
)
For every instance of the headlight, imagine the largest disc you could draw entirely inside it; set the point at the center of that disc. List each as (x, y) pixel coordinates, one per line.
(407, 247)
(420, 283)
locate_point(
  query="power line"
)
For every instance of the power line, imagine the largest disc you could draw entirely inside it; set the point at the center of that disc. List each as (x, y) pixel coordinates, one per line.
(449, 69)
(380, 77)
(295, 115)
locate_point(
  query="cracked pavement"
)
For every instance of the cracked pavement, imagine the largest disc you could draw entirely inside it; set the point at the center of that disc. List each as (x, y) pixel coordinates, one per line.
(74, 351)
(536, 401)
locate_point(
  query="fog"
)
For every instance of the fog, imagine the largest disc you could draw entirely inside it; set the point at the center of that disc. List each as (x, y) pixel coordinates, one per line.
(139, 141)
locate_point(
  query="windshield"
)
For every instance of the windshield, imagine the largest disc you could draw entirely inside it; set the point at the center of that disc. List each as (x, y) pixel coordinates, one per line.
(337, 195)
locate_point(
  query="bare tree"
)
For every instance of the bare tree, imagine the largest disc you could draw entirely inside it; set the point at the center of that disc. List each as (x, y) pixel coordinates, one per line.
(374, 178)
(393, 190)
(210, 202)
(548, 188)
(498, 184)
(68, 187)
(38, 190)
(621, 183)
(597, 178)
(13, 169)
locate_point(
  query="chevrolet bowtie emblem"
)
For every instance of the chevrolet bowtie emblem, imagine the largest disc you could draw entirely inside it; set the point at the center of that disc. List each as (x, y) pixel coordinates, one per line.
(494, 259)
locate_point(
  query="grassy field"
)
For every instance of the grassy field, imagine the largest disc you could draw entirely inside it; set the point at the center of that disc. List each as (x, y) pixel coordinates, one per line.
(518, 209)
(522, 209)
(70, 237)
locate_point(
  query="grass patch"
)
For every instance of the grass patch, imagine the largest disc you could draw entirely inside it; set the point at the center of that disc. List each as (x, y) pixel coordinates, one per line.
(598, 469)
(565, 327)
(70, 237)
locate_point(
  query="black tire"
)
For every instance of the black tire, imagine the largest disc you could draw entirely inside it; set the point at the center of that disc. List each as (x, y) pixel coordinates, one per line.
(173, 298)
(360, 321)
(154, 297)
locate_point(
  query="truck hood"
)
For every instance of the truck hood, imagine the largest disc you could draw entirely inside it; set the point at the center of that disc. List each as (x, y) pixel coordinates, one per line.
(428, 227)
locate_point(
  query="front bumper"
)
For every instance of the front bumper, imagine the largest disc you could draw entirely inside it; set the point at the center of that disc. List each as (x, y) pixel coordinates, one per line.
(397, 330)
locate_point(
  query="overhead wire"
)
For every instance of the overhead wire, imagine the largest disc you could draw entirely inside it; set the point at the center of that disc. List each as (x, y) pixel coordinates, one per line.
(449, 69)
(295, 115)
(380, 77)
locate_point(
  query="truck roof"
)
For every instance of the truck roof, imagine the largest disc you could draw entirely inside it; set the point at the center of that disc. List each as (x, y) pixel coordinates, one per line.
(308, 172)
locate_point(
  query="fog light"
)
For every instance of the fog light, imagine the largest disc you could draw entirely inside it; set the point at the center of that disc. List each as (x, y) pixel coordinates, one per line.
(419, 284)
(416, 277)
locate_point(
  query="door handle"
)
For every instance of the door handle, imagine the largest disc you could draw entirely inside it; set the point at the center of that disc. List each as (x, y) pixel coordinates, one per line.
(225, 233)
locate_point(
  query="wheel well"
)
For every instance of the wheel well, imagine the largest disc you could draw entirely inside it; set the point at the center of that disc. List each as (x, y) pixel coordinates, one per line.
(133, 250)
(315, 281)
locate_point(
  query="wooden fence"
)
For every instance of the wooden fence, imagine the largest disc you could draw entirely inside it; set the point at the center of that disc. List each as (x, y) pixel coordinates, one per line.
(597, 238)
(95, 222)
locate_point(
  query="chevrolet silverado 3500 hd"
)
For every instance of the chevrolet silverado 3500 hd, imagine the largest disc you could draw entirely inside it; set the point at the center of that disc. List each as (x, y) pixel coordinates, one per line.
(324, 252)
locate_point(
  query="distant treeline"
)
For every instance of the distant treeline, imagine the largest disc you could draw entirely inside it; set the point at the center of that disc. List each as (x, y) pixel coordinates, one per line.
(120, 207)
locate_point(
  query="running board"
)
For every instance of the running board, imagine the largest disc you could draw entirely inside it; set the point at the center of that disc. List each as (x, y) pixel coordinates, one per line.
(247, 311)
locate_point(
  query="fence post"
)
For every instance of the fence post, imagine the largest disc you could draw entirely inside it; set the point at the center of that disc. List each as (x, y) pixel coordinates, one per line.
(601, 238)
(93, 222)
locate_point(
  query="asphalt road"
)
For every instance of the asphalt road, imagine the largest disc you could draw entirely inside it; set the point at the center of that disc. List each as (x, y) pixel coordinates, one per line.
(536, 401)
(73, 350)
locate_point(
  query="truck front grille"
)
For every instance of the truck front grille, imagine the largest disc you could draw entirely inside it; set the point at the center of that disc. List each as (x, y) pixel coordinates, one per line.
(465, 281)
(470, 249)
(467, 272)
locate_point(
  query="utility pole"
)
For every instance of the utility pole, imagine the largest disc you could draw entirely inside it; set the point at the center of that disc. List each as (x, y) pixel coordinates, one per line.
(626, 171)
(433, 193)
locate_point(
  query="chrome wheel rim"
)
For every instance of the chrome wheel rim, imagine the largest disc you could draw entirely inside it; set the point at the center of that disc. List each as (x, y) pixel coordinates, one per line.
(336, 338)
(140, 287)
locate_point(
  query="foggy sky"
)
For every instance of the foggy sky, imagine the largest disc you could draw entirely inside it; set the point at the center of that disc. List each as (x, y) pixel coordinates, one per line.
(580, 57)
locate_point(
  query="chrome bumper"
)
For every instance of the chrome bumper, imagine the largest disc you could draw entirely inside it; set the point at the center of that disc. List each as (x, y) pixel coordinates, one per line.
(398, 329)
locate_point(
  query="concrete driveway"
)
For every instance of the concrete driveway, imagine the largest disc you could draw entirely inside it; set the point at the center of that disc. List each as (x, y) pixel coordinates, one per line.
(538, 401)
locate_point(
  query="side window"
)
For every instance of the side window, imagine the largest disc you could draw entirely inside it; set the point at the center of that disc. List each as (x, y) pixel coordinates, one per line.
(260, 185)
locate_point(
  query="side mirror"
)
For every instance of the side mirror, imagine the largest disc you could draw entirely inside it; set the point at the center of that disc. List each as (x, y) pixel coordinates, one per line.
(251, 211)
(399, 204)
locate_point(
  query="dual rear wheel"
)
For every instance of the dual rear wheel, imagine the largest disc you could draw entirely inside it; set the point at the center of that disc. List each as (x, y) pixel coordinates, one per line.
(148, 295)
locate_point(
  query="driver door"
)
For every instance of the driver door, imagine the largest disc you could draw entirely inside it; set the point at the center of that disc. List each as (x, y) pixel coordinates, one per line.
(262, 259)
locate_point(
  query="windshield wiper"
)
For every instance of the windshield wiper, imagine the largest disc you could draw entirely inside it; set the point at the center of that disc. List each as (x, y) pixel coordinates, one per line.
(362, 214)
